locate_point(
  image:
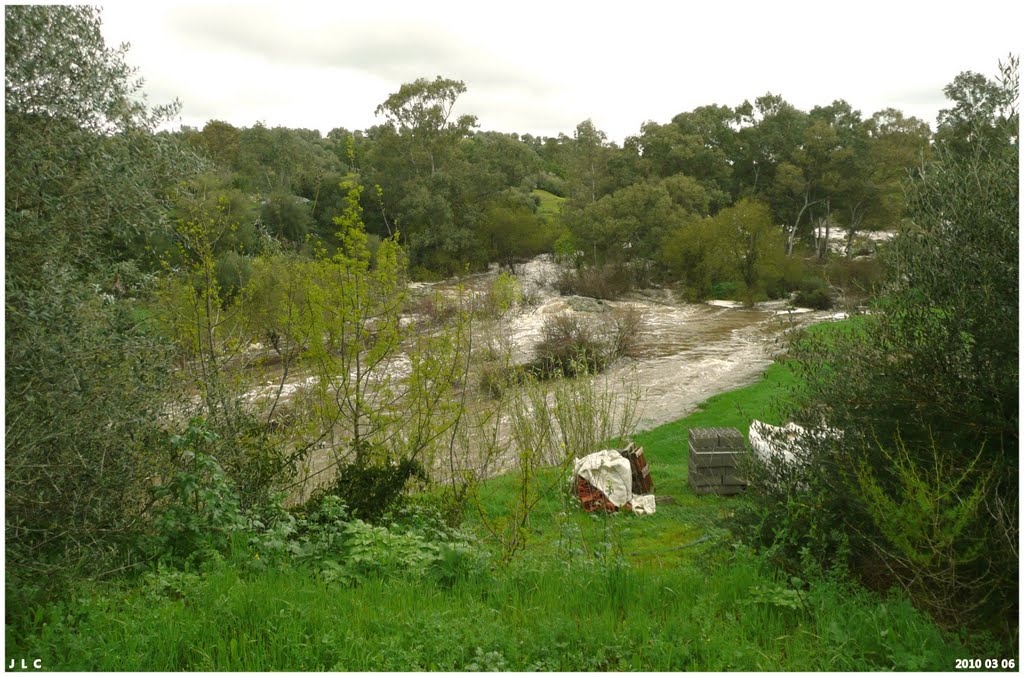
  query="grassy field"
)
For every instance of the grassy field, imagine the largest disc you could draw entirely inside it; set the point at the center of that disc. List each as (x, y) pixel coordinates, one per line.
(670, 591)
(550, 204)
(653, 540)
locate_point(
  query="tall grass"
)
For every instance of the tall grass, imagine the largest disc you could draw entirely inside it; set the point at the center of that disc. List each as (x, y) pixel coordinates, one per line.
(670, 591)
(601, 615)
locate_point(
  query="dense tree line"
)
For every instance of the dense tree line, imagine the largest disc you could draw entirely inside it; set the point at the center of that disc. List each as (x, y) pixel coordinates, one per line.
(463, 197)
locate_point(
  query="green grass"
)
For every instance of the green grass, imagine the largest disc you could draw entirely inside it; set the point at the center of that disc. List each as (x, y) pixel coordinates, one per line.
(550, 204)
(529, 617)
(656, 539)
(591, 592)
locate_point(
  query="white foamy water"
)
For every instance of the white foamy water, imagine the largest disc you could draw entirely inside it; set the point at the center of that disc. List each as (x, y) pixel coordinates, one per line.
(686, 352)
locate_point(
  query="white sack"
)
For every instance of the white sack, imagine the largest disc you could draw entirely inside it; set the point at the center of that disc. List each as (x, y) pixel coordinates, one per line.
(769, 441)
(644, 505)
(608, 471)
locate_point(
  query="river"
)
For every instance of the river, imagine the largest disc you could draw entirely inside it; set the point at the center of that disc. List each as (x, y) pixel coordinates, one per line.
(687, 352)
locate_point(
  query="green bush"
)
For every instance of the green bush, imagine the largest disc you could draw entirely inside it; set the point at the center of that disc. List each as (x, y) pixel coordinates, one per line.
(608, 281)
(725, 290)
(859, 277)
(925, 393)
(410, 542)
(197, 512)
(495, 378)
(552, 183)
(569, 346)
(233, 272)
(818, 299)
(87, 180)
(372, 488)
(287, 217)
(502, 295)
(813, 292)
(929, 515)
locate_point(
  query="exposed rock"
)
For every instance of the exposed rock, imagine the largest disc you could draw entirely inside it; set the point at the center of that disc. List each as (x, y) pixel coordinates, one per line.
(583, 304)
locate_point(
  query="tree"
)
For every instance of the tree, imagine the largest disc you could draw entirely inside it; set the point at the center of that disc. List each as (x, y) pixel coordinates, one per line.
(979, 106)
(692, 255)
(418, 159)
(421, 112)
(833, 160)
(924, 392)
(387, 421)
(792, 197)
(819, 173)
(772, 132)
(688, 193)
(627, 224)
(872, 194)
(589, 163)
(513, 232)
(682, 148)
(87, 376)
(287, 217)
(754, 244)
(713, 127)
(221, 141)
(499, 161)
(230, 215)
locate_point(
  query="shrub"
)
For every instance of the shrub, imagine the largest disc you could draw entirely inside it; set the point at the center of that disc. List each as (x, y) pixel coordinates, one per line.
(813, 293)
(201, 512)
(552, 183)
(502, 295)
(818, 299)
(287, 217)
(495, 378)
(609, 281)
(862, 277)
(371, 489)
(574, 343)
(931, 525)
(627, 327)
(570, 346)
(85, 382)
(434, 307)
(233, 273)
(724, 290)
(410, 541)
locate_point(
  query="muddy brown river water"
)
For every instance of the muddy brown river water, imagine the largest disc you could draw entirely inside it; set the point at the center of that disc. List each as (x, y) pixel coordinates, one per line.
(687, 351)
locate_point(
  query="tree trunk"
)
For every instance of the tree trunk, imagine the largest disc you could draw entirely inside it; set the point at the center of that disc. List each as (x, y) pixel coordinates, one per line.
(791, 238)
(856, 216)
(821, 243)
(828, 228)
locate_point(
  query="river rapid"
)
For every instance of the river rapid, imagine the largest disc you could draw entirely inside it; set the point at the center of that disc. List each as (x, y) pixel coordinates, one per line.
(686, 352)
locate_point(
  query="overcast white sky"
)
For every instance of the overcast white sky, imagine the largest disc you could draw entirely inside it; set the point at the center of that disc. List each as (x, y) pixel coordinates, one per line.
(543, 67)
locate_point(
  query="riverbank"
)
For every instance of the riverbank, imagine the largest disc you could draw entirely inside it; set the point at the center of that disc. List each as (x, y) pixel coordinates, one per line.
(670, 591)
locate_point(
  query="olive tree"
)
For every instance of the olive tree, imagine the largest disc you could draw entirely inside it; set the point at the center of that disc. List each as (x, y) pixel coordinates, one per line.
(86, 374)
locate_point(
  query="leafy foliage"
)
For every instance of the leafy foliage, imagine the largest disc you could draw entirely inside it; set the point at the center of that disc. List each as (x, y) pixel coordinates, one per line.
(87, 187)
(925, 391)
(374, 487)
(198, 511)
